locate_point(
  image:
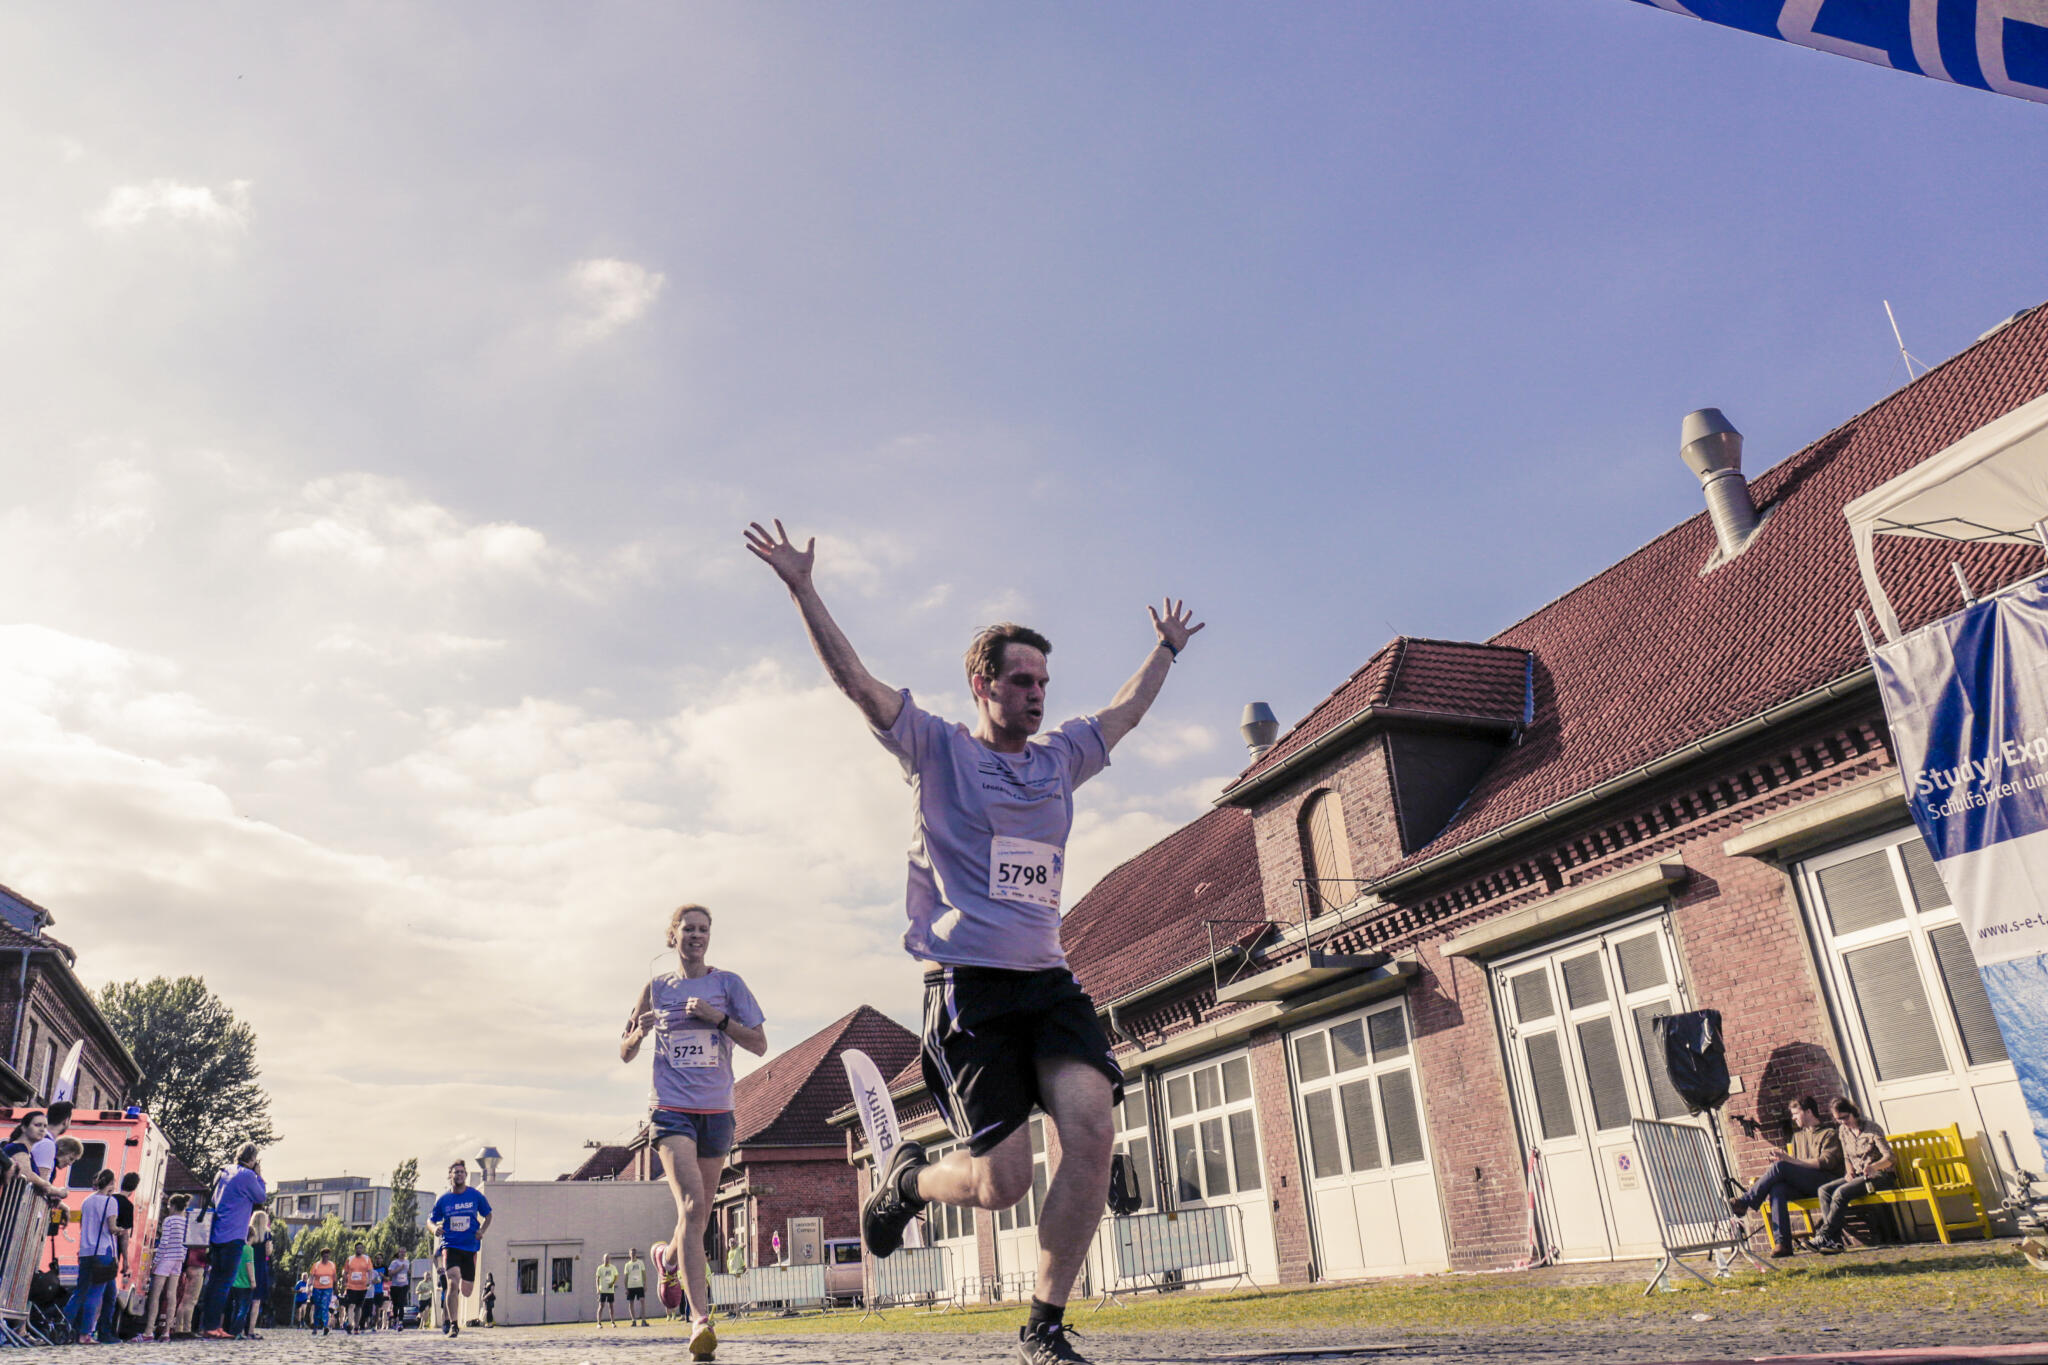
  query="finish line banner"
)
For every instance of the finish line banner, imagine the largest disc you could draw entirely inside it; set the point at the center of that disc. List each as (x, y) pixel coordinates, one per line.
(1999, 45)
(1967, 697)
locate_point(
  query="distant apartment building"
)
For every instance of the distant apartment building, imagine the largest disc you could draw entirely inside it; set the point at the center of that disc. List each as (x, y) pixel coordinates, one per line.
(299, 1204)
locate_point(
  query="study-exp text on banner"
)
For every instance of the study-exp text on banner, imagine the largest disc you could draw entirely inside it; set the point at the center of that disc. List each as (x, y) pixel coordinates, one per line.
(1967, 698)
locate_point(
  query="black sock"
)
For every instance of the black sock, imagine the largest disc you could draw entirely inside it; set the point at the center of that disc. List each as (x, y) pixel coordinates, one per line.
(906, 1185)
(1044, 1315)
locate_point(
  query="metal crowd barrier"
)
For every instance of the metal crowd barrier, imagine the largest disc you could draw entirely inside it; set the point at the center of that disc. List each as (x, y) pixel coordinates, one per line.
(914, 1275)
(1170, 1250)
(778, 1286)
(1685, 1193)
(24, 1216)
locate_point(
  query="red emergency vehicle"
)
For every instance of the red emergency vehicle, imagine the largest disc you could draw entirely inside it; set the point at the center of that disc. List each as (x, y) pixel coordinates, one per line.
(120, 1141)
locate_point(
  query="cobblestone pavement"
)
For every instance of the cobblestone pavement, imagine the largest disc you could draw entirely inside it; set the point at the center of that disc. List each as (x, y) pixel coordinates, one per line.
(1581, 1346)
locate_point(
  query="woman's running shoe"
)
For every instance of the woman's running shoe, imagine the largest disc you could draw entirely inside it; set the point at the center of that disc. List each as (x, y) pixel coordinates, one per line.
(671, 1283)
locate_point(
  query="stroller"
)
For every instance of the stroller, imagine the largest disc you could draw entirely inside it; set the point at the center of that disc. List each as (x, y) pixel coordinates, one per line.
(46, 1299)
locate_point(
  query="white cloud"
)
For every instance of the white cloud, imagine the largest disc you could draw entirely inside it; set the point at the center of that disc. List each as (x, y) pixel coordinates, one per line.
(1168, 743)
(370, 522)
(117, 499)
(608, 293)
(170, 202)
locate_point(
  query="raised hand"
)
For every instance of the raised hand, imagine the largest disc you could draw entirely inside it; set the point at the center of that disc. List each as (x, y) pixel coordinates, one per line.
(1175, 626)
(778, 552)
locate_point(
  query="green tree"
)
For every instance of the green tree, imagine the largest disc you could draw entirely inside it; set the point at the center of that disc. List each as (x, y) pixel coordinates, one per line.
(400, 1229)
(199, 1074)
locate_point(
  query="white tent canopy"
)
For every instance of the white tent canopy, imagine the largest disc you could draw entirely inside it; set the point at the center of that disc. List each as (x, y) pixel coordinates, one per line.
(1990, 486)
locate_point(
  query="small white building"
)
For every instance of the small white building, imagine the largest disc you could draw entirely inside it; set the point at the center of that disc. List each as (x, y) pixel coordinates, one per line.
(547, 1237)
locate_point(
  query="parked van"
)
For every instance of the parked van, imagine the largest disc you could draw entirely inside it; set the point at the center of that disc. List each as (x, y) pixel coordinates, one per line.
(844, 1283)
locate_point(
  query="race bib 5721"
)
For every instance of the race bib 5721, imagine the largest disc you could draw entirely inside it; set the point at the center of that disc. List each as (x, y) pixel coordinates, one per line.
(690, 1049)
(1025, 870)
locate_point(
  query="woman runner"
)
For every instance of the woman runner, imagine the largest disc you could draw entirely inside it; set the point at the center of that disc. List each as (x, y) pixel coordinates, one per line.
(695, 1014)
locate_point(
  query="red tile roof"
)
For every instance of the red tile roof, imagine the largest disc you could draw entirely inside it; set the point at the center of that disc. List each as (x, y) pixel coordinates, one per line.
(788, 1103)
(1153, 915)
(1485, 682)
(1651, 654)
(604, 1163)
(1639, 661)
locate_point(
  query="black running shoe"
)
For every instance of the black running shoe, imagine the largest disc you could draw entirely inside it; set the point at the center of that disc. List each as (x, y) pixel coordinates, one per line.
(887, 1213)
(1049, 1345)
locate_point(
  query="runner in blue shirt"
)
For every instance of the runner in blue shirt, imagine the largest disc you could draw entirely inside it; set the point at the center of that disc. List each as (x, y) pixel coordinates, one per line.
(459, 1219)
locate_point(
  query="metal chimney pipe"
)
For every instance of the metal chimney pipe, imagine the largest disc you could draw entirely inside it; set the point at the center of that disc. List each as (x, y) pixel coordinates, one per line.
(1260, 728)
(1712, 448)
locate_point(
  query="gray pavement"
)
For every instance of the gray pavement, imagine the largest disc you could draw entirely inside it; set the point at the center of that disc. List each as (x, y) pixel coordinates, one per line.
(1932, 1339)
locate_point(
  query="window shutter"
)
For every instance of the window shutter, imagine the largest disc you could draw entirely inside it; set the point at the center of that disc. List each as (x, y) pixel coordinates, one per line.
(1322, 1135)
(1861, 893)
(1404, 1120)
(1893, 1005)
(1360, 1127)
(1547, 1078)
(1604, 1074)
(1982, 1042)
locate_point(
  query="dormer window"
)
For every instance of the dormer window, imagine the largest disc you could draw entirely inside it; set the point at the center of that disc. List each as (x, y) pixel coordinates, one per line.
(1326, 853)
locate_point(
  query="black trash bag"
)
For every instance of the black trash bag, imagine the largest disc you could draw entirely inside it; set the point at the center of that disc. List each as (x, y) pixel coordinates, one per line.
(1694, 1059)
(1124, 1198)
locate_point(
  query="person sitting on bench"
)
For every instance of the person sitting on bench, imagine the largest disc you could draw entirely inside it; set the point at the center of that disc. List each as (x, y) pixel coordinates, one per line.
(1871, 1166)
(1816, 1159)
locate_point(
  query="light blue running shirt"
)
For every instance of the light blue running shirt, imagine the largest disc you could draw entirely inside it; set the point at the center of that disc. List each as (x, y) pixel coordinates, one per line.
(989, 844)
(692, 1059)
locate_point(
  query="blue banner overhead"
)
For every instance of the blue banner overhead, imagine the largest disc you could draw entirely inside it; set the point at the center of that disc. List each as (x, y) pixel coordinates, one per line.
(1967, 698)
(1998, 45)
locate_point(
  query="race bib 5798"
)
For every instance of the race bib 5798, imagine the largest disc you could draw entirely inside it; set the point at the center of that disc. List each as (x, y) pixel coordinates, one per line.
(1025, 870)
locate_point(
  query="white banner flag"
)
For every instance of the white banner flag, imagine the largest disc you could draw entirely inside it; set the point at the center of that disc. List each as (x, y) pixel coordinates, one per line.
(1967, 697)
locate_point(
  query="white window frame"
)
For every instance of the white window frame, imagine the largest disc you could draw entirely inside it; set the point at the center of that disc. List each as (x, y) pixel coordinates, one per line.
(1333, 1080)
(1197, 1115)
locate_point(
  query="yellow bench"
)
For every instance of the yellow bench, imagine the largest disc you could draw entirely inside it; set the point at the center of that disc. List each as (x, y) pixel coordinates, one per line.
(1931, 1166)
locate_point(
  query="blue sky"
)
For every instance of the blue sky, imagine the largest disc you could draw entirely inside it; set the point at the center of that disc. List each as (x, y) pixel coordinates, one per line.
(387, 386)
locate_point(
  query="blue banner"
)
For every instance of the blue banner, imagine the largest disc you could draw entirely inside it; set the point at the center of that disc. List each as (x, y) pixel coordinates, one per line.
(1967, 698)
(1999, 45)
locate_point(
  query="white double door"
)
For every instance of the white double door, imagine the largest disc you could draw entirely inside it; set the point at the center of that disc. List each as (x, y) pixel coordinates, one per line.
(1920, 1035)
(1372, 1186)
(1585, 1061)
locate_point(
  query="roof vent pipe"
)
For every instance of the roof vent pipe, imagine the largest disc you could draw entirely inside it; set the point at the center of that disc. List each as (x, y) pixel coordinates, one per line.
(1261, 727)
(1712, 448)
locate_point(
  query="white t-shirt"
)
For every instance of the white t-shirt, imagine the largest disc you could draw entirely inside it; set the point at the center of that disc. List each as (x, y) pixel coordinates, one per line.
(43, 1156)
(96, 1223)
(989, 842)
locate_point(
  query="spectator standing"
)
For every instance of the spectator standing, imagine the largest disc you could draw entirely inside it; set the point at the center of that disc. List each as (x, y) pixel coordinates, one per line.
(634, 1276)
(110, 1304)
(166, 1268)
(398, 1280)
(259, 1238)
(490, 1300)
(238, 1192)
(1869, 1165)
(99, 1252)
(19, 1152)
(320, 1284)
(198, 1228)
(607, 1288)
(241, 1293)
(43, 1156)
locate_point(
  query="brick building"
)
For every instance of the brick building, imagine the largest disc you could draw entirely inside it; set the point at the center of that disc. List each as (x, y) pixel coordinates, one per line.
(1421, 938)
(45, 1009)
(787, 1160)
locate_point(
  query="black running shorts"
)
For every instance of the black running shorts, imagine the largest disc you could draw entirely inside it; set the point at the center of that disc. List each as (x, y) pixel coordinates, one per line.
(985, 1028)
(457, 1260)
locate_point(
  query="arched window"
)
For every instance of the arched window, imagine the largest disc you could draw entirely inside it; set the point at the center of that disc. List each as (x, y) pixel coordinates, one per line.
(1326, 852)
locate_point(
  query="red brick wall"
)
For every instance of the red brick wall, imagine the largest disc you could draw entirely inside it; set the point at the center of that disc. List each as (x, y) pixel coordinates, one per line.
(1286, 1187)
(1363, 780)
(783, 1190)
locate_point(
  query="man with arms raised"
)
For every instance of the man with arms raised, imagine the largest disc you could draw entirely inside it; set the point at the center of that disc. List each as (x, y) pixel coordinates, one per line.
(1007, 1028)
(459, 1219)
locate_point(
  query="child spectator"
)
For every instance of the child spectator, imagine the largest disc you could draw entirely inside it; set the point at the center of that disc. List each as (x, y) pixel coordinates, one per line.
(166, 1268)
